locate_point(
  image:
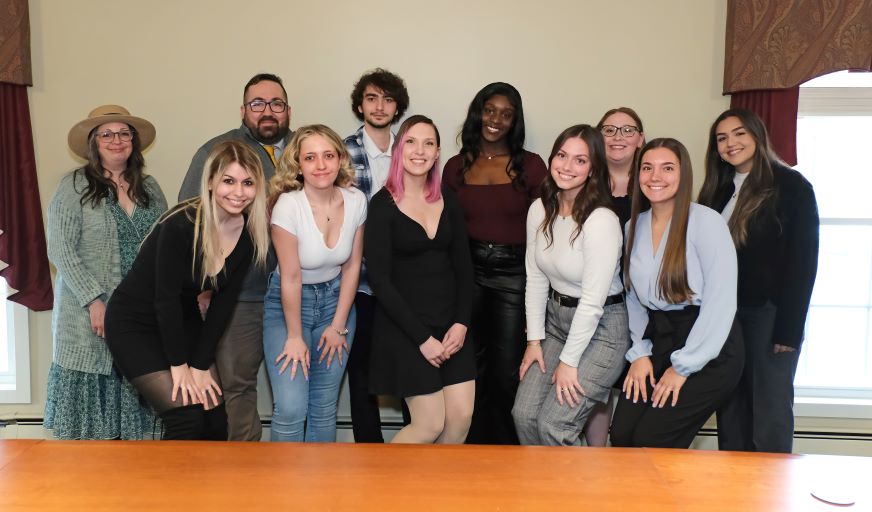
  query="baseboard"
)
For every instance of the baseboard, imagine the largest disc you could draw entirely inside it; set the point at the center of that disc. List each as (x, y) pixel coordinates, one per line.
(809, 442)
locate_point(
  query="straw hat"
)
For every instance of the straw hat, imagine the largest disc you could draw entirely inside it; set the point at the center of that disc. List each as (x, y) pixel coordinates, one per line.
(78, 137)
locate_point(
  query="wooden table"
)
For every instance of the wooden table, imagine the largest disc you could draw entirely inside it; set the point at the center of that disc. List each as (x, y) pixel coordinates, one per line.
(169, 476)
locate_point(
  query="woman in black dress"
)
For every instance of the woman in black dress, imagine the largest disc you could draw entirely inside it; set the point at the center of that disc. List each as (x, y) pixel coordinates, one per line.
(417, 255)
(158, 336)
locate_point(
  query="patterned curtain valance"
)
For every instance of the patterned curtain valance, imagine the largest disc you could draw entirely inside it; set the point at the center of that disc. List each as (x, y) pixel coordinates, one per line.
(776, 44)
(15, 43)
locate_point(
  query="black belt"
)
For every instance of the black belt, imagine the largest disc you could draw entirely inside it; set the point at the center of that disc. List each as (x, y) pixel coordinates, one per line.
(572, 302)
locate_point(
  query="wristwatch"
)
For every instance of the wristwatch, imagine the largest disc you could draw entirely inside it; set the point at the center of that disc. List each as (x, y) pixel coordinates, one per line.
(341, 332)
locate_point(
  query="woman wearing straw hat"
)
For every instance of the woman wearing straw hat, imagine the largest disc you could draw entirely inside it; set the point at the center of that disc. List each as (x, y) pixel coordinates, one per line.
(96, 220)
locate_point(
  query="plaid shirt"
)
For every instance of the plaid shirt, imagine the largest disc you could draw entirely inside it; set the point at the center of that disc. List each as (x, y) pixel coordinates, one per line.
(363, 181)
(360, 162)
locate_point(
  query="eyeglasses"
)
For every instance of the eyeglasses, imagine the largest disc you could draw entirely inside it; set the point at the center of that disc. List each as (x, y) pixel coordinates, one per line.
(108, 136)
(277, 106)
(610, 130)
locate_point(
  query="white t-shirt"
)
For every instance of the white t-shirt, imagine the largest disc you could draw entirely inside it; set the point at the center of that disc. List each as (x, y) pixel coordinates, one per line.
(588, 268)
(319, 263)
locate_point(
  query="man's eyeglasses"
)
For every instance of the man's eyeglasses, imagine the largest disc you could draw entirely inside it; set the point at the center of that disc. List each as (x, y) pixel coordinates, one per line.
(276, 106)
(108, 136)
(610, 130)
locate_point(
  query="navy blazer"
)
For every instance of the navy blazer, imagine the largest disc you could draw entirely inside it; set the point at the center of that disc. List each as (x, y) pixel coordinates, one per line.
(779, 260)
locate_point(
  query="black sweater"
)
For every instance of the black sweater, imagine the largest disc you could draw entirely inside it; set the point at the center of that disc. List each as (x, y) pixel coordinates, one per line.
(161, 289)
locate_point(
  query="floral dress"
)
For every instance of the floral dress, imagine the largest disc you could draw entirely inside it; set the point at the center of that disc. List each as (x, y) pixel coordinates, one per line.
(84, 405)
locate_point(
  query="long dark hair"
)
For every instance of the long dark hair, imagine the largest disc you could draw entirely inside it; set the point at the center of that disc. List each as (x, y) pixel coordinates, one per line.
(99, 187)
(595, 191)
(758, 187)
(672, 282)
(470, 135)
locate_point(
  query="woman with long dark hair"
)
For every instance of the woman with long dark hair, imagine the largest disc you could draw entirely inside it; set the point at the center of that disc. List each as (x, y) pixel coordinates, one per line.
(576, 318)
(155, 330)
(418, 262)
(772, 215)
(496, 180)
(680, 276)
(96, 220)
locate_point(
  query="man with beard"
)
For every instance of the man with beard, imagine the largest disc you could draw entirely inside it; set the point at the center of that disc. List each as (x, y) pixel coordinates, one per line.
(379, 99)
(265, 119)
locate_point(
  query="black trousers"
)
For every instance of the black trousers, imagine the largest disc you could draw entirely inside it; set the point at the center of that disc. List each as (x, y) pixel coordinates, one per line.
(759, 415)
(497, 331)
(640, 425)
(192, 422)
(365, 416)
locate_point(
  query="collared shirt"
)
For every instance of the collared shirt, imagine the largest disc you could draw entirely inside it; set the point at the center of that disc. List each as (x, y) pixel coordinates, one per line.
(379, 161)
(278, 148)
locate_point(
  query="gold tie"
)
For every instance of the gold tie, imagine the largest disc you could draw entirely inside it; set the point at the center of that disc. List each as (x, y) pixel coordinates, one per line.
(272, 153)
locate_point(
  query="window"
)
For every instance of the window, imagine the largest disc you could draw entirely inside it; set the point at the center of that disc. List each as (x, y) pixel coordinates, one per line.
(833, 133)
(14, 351)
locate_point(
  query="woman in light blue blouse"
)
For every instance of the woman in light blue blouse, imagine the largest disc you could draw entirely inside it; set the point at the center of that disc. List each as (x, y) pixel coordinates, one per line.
(680, 273)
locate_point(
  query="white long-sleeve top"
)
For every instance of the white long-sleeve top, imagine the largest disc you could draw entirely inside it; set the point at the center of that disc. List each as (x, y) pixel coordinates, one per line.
(711, 274)
(587, 268)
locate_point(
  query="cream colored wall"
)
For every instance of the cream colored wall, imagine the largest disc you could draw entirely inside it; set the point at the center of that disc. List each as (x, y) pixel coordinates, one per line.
(182, 65)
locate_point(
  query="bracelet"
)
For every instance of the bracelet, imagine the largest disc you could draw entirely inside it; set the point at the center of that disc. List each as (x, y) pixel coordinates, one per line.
(341, 332)
(534, 343)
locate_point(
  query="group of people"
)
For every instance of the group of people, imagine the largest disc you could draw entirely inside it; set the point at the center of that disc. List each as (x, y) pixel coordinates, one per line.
(505, 299)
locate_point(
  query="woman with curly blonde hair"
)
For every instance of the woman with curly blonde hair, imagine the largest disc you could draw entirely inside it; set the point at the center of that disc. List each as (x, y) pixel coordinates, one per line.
(317, 230)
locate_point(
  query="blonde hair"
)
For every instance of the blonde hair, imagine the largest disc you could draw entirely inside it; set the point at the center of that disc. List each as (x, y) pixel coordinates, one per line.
(288, 176)
(205, 210)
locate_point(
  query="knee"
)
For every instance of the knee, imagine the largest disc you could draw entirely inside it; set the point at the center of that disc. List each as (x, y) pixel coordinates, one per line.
(289, 408)
(459, 418)
(429, 427)
(525, 417)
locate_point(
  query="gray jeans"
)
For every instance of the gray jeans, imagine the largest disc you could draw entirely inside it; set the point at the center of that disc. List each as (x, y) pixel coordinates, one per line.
(238, 358)
(539, 418)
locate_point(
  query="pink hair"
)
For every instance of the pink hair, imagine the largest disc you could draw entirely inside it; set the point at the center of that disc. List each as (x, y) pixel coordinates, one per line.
(396, 171)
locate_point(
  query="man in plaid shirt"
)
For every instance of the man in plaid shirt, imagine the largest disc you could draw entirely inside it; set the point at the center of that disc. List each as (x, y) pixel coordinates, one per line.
(379, 99)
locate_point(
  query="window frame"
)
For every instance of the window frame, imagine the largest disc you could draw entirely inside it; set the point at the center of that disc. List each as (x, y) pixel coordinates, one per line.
(18, 344)
(836, 102)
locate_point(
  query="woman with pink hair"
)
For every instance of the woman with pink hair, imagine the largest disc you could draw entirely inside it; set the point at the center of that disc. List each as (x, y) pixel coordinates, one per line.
(417, 256)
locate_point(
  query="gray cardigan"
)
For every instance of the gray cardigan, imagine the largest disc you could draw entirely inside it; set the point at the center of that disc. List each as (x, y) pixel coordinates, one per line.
(83, 246)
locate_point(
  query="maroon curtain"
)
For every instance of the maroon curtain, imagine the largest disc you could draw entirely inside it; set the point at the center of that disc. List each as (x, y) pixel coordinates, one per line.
(22, 244)
(778, 109)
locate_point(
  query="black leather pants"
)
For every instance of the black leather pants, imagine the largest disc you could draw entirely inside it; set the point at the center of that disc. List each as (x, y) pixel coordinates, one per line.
(497, 330)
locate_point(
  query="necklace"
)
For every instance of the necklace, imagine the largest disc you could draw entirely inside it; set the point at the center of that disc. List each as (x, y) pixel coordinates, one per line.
(329, 205)
(491, 157)
(119, 183)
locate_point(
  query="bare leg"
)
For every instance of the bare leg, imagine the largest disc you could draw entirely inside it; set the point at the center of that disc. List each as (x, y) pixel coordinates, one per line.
(596, 430)
(459, 400)
(428, 419)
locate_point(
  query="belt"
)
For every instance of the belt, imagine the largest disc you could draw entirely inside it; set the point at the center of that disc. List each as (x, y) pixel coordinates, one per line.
(572, 302)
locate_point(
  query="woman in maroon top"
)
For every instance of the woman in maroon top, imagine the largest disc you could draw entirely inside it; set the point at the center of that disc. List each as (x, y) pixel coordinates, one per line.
(496, 180)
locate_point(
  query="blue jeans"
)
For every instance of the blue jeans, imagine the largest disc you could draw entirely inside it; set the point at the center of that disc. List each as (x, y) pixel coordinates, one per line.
(299, 405)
